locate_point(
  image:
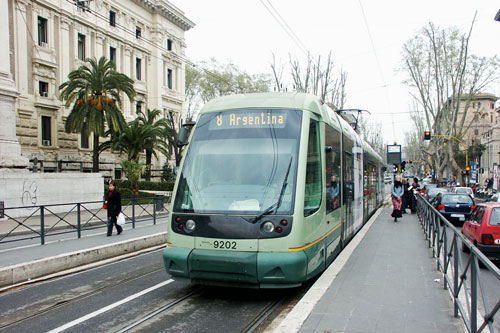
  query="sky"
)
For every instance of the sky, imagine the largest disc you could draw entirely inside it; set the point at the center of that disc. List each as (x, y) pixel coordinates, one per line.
(365, 38)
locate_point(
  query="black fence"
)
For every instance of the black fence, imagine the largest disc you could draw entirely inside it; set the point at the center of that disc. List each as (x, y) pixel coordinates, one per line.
(57, 219)
(465, 277)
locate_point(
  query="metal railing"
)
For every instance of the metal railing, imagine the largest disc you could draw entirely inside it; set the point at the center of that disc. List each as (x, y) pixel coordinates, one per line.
(57, 219)
(462, 275)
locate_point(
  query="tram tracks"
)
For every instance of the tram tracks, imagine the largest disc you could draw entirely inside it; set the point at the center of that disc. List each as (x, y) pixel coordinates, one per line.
(77, 298)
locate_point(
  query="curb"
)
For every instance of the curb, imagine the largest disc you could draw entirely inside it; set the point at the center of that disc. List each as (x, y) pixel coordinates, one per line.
(19, 273)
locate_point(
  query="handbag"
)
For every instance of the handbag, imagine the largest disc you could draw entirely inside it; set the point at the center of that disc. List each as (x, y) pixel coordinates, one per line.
(121, 219)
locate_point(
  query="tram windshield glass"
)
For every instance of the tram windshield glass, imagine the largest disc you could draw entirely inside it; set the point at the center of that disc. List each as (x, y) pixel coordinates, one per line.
(241, 162)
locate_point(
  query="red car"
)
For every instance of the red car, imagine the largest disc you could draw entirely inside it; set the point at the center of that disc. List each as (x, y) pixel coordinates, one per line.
(483, 229)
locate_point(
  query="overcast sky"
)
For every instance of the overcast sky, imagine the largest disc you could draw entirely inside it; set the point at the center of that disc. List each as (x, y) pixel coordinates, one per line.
(365, 38)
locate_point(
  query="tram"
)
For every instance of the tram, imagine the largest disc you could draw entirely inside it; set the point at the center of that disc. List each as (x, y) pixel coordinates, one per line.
(270, 189)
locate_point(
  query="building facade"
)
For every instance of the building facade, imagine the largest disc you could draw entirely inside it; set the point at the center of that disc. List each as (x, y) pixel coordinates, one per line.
(50, 38)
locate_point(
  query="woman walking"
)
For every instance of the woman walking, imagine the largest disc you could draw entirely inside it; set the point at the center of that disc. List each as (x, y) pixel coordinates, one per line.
(114, 206)
(397, 195)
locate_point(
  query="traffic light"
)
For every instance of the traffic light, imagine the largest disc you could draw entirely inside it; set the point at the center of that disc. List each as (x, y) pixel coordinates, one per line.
(427, 135)
(403, 164)
(467, 170)
(411, 161)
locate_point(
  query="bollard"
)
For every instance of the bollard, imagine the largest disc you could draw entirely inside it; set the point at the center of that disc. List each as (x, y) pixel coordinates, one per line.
(154, 210)
(42, 225)
(133, 213)
(78, 221)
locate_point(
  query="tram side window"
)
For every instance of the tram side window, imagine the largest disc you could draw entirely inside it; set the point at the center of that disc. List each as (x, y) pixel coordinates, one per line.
(313, 188)
(332, 143)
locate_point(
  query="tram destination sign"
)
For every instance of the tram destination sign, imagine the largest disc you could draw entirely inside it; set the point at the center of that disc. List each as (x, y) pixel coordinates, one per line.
(248, 119)
(394, 154)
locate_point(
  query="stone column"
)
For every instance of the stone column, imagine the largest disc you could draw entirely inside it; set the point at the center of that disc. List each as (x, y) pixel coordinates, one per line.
(10, 150)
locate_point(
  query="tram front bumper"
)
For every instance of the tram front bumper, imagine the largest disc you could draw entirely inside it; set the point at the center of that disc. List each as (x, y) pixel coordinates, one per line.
(237, 268)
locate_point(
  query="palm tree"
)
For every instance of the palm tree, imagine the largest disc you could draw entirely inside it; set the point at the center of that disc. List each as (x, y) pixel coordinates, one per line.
(155, 139)
(95, 93)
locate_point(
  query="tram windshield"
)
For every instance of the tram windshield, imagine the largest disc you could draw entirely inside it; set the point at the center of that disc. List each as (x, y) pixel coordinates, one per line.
(241, 162)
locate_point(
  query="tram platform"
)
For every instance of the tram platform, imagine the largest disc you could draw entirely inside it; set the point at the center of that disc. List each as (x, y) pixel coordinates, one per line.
(384, 281)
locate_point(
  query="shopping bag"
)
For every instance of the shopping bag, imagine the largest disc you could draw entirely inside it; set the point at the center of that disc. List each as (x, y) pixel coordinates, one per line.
(121, 219)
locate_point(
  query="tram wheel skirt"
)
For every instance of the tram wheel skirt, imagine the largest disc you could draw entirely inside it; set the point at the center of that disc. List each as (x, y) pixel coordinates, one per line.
(239, 269)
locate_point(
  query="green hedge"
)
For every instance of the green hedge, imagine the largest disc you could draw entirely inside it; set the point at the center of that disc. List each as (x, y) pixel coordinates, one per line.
(143, 185)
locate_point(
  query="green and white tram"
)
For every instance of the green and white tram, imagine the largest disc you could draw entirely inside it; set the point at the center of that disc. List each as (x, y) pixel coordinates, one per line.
(270, 189)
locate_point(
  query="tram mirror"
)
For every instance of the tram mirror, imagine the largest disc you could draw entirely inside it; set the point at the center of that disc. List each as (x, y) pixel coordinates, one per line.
(328, 149)
(182, 137)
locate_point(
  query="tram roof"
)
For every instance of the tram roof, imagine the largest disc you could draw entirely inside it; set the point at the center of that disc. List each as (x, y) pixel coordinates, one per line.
(291, 100)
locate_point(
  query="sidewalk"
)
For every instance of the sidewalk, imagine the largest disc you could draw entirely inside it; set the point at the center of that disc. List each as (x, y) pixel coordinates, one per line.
(21, 264)
(384, 281)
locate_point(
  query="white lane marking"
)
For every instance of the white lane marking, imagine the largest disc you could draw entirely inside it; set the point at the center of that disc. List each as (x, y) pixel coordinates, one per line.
(109, 307)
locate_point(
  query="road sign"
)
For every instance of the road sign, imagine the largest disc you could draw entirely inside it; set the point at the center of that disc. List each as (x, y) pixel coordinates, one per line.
(394, 154)
(473, 174)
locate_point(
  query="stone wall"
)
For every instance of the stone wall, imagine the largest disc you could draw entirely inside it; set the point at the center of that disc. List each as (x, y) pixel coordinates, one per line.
(22, 188)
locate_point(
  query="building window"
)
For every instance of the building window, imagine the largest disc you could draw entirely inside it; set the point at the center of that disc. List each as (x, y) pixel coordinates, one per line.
(138, 107)
(137, 32)
(476, 132)
(46, 135)
(492, 106)
(43, 89)
(42, 31)
(112, 54)
(138, 68)
(112, 18)
(84, 139)
(81, 47)
(169, 78)
(82, 5)
(169, 44)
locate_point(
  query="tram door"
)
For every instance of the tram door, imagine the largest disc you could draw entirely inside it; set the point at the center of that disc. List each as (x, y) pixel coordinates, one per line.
(348, 197)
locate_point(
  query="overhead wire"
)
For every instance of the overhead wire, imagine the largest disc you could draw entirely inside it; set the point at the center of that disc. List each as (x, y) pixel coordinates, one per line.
(378, 63)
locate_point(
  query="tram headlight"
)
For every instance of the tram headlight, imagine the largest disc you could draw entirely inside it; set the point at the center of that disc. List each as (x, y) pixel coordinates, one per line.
(190, 225)
(268, 227)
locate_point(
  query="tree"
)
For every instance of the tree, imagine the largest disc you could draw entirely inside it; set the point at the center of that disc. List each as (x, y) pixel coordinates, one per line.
(445, 78)
(133, 169)
(227, 79)
(94, 90)
(130, 140)
(154, 136)
(315, 78)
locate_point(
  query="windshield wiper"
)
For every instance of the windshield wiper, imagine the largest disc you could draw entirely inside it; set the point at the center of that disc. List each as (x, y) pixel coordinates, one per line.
(274, 207)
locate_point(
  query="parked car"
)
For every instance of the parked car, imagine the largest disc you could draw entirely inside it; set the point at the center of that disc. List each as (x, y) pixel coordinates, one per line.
(483, 229)
(427, 187)
(432, 192)
(387, 180)
(465, 190)
(455, 207)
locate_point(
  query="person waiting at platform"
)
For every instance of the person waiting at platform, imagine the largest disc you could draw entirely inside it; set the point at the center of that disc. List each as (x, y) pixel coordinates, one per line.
(397, 197)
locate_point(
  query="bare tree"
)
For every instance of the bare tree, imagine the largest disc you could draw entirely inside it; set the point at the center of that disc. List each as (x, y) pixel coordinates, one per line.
(315, 77)
(445, 78)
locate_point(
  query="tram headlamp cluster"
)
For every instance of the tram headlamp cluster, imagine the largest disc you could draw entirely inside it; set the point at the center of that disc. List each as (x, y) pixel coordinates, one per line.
(268, 227)
(190, 225)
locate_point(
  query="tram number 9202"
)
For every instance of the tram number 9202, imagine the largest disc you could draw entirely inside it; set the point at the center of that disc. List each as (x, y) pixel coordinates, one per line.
(225, 245)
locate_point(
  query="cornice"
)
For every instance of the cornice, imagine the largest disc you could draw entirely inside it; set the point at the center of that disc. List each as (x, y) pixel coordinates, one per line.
(169, 11)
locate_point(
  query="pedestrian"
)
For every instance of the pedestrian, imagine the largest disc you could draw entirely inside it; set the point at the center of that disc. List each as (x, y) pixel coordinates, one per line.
(397, 196)
(415, 187)
(406, 197)
(113, 204)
